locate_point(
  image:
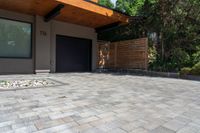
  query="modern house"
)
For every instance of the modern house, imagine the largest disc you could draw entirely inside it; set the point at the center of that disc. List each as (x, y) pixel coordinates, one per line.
(52, 35)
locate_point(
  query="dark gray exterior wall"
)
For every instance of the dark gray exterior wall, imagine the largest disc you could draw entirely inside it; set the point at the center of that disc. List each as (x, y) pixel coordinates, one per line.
(44, 44)
(13, 65)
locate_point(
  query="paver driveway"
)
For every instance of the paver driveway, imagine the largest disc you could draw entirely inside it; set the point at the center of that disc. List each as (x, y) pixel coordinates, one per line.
(99, 103)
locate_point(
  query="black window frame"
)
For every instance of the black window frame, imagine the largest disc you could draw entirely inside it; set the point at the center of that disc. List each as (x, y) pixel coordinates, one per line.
(31, 46)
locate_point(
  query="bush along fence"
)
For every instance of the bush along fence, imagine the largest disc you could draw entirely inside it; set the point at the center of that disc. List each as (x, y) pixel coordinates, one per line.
(129, 54)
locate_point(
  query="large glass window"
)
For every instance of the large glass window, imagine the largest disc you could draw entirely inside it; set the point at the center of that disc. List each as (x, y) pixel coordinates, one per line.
(15, 39)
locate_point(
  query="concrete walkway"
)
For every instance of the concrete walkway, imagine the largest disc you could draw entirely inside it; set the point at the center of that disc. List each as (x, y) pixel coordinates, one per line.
(102, 103)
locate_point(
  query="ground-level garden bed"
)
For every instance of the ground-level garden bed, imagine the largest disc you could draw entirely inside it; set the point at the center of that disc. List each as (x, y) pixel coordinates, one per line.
(25, 83)
(195, 70)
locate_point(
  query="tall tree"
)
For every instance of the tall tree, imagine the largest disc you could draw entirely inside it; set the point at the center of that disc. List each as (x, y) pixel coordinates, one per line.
(130, 7)
(106, 3)
(177, 25)
(174, 23)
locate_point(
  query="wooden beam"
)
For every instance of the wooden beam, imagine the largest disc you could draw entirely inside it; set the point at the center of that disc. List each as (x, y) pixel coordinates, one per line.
(53, 13)
(96, 1)
(78, 12)
(107, 27)
(97, 9)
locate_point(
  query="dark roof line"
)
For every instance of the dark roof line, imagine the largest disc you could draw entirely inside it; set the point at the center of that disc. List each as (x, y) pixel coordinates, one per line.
(107, 7)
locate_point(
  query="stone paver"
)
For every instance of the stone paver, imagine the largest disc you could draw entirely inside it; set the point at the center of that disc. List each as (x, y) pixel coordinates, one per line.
(162, 130)
(101, 103)
(175, 125)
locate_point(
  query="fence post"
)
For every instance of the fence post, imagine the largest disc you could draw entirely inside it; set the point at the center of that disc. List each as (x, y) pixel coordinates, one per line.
(115, 55)
(146, 54)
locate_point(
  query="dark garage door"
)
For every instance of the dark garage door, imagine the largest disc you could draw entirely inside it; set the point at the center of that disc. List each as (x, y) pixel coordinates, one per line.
(73, 54)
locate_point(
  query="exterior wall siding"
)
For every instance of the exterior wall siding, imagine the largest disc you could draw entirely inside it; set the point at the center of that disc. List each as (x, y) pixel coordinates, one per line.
(17, 65)
(44, 44)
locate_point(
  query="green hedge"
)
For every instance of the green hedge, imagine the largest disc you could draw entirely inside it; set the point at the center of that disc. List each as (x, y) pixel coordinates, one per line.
(185, 71)
(195, 70)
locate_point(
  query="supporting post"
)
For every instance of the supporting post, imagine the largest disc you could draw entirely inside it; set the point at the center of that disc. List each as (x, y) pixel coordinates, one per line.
(115, 54)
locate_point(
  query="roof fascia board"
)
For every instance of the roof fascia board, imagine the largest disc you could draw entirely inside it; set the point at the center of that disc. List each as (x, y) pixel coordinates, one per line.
(96, 9)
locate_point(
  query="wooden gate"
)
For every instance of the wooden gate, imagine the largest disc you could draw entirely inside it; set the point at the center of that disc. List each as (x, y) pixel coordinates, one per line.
(130, 54)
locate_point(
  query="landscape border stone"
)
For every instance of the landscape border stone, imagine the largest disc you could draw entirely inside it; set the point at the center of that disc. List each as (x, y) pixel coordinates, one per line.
(149, 73)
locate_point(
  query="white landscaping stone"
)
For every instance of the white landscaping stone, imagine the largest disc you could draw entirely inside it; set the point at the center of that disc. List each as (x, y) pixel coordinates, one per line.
(24, 83)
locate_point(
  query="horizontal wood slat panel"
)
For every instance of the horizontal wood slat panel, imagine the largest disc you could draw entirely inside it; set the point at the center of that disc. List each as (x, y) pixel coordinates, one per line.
(130, 54)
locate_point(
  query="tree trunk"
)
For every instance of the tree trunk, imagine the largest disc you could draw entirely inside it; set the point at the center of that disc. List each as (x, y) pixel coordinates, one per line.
(162, 46)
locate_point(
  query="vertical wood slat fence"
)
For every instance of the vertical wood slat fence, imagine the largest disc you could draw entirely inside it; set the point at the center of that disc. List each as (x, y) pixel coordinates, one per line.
(129, 54)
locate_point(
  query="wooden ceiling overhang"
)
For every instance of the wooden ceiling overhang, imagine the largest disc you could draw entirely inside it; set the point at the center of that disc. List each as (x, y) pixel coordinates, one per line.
(79, 12)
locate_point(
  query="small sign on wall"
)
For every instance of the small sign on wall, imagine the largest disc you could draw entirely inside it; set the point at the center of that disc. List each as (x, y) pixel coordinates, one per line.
(43, 33)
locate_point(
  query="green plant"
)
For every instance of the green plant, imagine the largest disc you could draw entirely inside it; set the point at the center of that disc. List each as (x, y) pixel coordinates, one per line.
(107, 3)
(179, 58)
(185, 71)
(196, 69)
(4, 82)
(152, 54)
(196, 57)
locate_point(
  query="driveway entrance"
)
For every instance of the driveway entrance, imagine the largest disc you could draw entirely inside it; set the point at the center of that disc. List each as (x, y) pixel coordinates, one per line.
(101, 103)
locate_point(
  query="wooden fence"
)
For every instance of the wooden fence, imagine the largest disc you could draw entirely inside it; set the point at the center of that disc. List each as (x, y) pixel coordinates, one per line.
(130, 54)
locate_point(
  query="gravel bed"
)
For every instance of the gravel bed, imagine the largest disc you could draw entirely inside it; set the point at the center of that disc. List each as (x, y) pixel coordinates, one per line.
(25, 83)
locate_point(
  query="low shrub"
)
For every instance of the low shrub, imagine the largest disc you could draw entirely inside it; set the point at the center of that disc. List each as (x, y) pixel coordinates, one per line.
(195, 69)
(196, 57)
(152, 54)
(185, 71)
(179, 58)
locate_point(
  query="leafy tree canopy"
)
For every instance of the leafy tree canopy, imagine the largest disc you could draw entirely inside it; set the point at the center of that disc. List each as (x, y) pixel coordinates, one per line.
(106, 3)
(130, 7)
